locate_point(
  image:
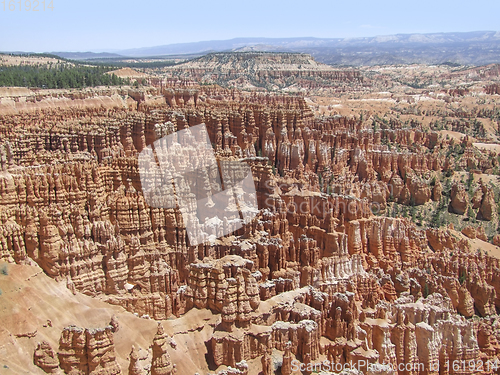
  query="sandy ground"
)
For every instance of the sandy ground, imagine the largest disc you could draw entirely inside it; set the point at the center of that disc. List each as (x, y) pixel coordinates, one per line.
(491, 249)
(14, 91)
(487, 178)
(23, 60)
(29, 299)
(477, 244)
(487, 146)
(128, 73)
(452, 134)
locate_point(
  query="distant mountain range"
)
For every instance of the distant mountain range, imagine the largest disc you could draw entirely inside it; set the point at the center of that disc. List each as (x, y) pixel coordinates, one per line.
(473, 48)
(85, 55)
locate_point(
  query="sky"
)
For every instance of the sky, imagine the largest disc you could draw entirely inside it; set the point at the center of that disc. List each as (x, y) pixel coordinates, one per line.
(112, 25)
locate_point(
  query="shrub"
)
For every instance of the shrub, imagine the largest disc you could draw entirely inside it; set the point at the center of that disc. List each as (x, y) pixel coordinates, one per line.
(462, 278)
(426, 290)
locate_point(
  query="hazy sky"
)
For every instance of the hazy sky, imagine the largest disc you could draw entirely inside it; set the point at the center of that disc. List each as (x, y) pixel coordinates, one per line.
(91, 25)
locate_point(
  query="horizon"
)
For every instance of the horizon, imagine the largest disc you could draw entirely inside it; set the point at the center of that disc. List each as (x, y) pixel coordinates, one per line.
(115, 26)
(234, 39)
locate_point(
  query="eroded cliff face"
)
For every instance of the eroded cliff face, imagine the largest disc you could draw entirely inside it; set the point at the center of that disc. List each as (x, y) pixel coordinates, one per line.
(87, 351)
(92, 351)
(319, 273)
(297, 72)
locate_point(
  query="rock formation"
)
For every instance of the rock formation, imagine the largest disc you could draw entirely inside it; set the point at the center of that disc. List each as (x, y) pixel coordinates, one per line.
(45, 358)
(88, 351)
(161, 364)
(322, 271)
(135, 366)
(259, 69)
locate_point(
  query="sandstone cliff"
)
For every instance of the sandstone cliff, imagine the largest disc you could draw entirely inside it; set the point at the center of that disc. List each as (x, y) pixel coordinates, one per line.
(319, 273)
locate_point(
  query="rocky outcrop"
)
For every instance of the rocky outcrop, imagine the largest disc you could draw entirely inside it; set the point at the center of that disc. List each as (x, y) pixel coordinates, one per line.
(241, 368)
(488, 205)
(286, 367)
(161, 363)
(45, 358)
(225, 285)
(88, 351)
(136, 365)
(465, 302)
(459, 199)
(496, 240)
(437, 191)
(493, 89)
(469, 231)
(473, 232)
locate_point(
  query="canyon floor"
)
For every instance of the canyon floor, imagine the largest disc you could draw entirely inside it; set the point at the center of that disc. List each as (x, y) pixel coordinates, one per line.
(376, 238)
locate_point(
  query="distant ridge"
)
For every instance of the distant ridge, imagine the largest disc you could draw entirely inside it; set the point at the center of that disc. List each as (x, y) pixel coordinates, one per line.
(211, 46)
(470, 48)
(85, 55)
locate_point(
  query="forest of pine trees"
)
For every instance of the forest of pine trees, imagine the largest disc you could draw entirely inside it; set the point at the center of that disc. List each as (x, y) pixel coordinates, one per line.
(59, 76)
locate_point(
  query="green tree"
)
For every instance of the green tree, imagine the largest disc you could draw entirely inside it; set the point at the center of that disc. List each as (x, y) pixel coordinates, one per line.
(463, 277)
(426, 290)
